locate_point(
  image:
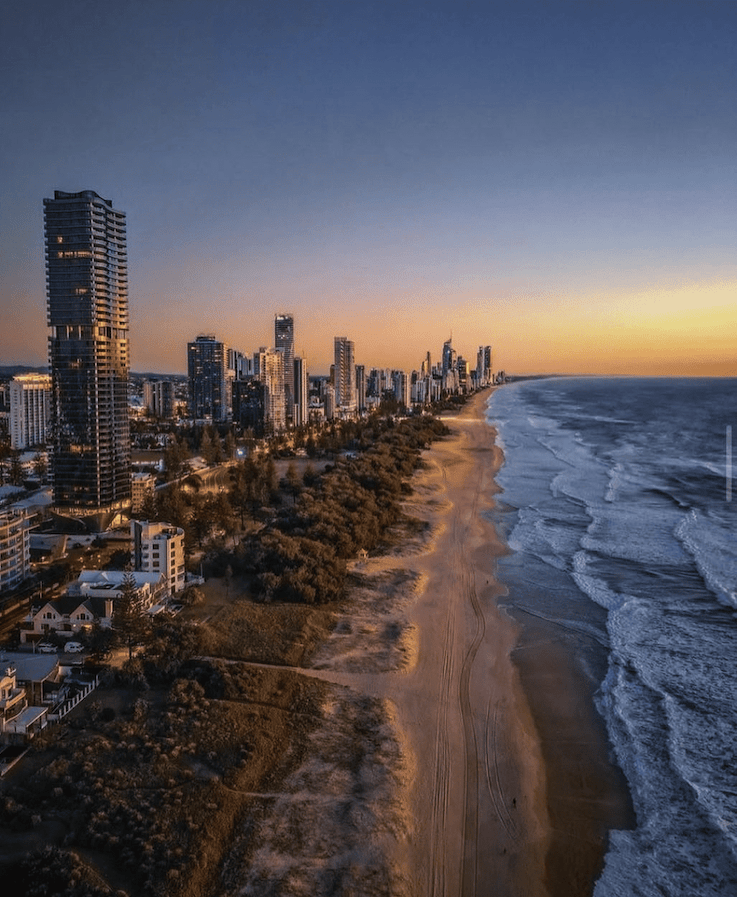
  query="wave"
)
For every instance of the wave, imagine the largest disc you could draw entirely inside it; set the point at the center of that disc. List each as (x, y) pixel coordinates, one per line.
(619, 495)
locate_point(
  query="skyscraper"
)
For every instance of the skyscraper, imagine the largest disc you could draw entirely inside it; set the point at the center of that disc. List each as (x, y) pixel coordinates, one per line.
(345, 377)
(284, 341)
(484, 365)
(449, 355)
(301, 392)
(361, 388)
(159, 397)
(87, 291)
(209, 386)
(272, 376)
(30, 409)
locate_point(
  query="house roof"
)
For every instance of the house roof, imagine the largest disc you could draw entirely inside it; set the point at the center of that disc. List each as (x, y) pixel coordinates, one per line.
(27, 717)
(66, 605)
(114, 578)
(29, 667)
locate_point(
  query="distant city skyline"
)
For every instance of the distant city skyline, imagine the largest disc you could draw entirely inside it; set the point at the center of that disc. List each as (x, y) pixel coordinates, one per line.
(557, 177)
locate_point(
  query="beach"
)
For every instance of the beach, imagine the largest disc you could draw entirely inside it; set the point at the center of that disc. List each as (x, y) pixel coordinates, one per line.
(461, 753)
(513, 787)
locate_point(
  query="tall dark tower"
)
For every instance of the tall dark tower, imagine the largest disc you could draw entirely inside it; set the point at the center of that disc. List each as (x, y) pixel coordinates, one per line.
(87, 305)
(284, 340)
(209, 387)
(345, 374)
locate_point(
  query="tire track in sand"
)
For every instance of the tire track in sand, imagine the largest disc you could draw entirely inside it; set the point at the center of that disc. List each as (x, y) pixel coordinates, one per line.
(470, 852)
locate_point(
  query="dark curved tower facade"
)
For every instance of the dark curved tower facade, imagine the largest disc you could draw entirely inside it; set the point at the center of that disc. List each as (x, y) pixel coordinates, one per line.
(87, 304)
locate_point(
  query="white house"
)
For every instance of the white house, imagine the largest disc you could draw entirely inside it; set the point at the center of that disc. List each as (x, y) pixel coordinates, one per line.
(150, 587)
(90, 600)
(67, 616)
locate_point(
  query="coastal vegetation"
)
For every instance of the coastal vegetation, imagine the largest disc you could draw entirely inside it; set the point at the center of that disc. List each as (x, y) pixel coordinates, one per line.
(141, 790)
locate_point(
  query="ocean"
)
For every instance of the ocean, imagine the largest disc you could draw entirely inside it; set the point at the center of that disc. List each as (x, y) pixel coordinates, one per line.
(617, 505)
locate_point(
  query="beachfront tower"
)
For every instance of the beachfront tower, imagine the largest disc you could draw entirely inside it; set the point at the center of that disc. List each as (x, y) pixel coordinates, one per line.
(87, 305)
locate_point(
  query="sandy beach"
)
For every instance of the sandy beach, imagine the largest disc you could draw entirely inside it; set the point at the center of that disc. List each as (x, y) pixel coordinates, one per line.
(481, 764)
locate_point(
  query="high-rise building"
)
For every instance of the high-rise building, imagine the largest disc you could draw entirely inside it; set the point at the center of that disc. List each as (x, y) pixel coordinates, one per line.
(301, 392)
(400, 386)
(449, 356)
(484, 374)
(272, 376)
(344, 374)
(361, 388)
(159, 398)
(209, 385)
(14, 548)
(30, 410)
(248, 404)
(87, 290)
(284, 341)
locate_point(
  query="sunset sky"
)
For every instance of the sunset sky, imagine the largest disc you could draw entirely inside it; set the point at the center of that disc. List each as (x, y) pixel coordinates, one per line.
(554, 178)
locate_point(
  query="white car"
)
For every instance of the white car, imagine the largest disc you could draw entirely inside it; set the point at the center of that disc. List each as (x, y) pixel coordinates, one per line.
(46, 648)
(73, 647)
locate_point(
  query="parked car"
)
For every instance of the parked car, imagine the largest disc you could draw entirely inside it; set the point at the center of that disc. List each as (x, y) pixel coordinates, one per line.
(74, 647)
(46, 648)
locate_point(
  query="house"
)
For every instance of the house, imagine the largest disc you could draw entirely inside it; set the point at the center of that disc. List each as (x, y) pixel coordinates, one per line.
(151, 587)
(90, 600)
(13, 698)
(24, 681)
(67, 616)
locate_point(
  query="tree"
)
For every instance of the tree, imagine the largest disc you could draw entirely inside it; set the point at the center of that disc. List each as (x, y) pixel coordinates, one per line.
(176, 456)
(129, 620)
(239, 492)
(16, 468)
(292, 478)
(224, 516)
(217, 448)
(40, 466)
(206, 447)
(270, 477)
(230, 446)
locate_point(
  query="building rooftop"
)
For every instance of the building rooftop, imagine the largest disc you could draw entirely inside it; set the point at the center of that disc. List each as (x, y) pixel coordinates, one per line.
(29, 667)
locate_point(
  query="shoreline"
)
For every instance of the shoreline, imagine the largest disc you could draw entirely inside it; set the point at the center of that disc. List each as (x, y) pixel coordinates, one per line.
(459, 750)
(536, 795)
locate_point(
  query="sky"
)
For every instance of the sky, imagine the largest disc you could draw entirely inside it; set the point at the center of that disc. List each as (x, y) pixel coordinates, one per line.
(556, 179)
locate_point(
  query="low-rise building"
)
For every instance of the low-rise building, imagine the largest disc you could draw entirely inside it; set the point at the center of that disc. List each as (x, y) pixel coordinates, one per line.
(143, 486)
(13, 698)
(151, 587)
(67, 616)
(159, 548)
